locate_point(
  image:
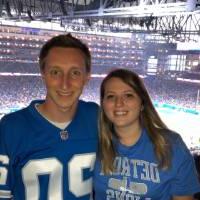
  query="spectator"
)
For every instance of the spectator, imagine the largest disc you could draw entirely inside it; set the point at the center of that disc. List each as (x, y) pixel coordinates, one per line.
(46, 148)
(139, 157)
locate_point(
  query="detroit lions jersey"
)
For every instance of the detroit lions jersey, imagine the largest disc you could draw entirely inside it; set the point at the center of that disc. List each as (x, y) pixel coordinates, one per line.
(39, 161)
(138, 177)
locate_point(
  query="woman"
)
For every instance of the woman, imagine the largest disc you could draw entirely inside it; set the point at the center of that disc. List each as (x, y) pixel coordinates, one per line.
(139, 157)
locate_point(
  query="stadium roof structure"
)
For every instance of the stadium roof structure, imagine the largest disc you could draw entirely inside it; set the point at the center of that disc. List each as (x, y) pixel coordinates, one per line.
(53, 9)
(179, 19)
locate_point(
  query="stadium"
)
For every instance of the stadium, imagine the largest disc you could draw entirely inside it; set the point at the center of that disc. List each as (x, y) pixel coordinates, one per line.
(160, 41)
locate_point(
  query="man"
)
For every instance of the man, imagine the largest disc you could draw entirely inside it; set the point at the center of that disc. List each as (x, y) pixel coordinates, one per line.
(47, 149)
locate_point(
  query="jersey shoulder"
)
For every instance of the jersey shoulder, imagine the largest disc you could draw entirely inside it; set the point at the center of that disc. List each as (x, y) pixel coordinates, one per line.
(15, 128)
(88, 105)
(90, 109)
(14, 118)
(21, 115)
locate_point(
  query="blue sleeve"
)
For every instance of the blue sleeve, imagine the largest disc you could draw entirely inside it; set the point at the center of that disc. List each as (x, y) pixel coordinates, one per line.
(5, 172)
(186, 178)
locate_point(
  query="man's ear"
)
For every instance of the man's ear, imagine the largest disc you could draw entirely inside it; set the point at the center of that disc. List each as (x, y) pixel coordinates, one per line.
(42, 73)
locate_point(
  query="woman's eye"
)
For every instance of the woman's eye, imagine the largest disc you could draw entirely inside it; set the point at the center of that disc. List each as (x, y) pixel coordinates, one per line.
(110, 97)
(129, 95)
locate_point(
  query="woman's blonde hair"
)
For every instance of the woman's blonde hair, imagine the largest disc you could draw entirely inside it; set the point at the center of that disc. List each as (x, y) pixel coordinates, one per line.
(149, 119)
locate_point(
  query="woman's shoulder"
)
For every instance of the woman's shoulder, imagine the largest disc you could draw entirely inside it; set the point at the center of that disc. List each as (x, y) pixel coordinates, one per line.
(172, 137)
(178, 145)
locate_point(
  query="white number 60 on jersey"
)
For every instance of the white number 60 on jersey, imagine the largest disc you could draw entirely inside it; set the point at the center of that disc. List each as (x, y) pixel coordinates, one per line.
(54, 168)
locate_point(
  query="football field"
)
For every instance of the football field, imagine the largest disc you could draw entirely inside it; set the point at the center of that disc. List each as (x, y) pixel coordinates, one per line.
(186, 124)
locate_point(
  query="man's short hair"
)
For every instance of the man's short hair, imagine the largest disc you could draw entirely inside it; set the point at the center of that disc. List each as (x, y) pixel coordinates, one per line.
(65, 41)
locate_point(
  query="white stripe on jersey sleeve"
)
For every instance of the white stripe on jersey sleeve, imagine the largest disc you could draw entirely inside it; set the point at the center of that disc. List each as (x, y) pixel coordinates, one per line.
(6, 194)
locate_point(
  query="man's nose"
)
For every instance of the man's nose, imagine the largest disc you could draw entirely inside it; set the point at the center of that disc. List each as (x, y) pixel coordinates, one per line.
(65, 82)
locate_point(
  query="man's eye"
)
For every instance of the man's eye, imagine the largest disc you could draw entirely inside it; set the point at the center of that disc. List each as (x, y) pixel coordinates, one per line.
(75, 73)
(55, 73)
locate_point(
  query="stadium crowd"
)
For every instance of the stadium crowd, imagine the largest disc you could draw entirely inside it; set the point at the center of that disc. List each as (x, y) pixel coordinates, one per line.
(177, 93)
(20, 90)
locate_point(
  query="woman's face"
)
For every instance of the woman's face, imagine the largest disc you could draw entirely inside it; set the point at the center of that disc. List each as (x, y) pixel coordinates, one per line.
(121, 104)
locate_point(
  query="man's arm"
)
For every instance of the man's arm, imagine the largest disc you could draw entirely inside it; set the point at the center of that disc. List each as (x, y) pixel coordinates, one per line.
(183, 198)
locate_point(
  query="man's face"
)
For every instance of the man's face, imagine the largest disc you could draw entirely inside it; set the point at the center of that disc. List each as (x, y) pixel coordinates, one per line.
(64, 75)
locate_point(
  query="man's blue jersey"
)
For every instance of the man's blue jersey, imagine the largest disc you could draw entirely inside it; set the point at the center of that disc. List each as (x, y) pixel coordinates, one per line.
(138, 177)
(39, 161)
